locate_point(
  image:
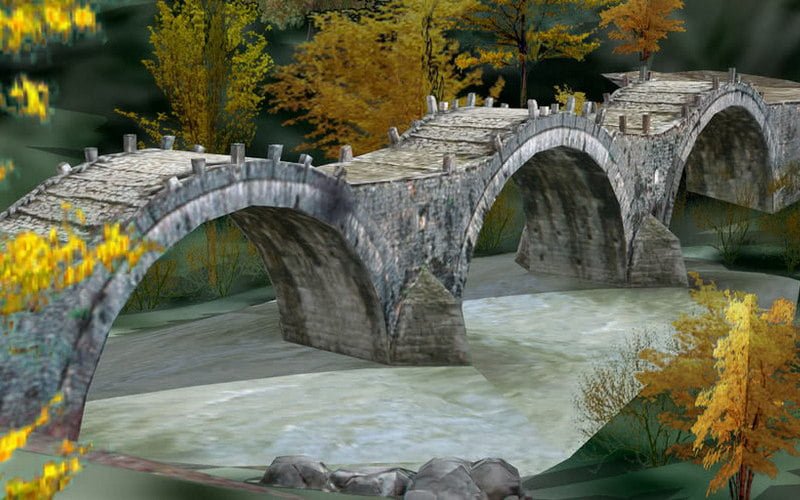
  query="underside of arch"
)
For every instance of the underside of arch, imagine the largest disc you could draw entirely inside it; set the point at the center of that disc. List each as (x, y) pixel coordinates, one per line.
(324, 294)
(730, 161)
(573, 223)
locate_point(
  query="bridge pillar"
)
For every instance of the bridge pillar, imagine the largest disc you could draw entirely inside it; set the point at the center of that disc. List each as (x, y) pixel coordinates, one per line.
(656, 258)
(430, 327)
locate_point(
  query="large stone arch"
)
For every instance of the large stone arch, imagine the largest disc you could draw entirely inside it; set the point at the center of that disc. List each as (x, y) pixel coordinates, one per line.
(583, 156)
(319, 211)
(728, 149)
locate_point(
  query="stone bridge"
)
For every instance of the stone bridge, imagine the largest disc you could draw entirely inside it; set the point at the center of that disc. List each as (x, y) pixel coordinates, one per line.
(369, 255)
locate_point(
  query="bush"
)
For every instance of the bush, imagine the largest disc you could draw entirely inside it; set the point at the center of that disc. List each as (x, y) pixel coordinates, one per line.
(215, 264)
(611, 413)
(731, 226)
(498, 221)
(785, 225)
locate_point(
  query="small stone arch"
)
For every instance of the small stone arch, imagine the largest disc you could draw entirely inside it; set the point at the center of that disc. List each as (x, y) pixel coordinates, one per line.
(585, 151)
(318, 210)
(729, 136)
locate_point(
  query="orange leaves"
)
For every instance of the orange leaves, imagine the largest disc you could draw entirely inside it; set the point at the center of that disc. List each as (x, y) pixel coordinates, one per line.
(745, 419)
(641, 24)
(356, 79)
(734, 383)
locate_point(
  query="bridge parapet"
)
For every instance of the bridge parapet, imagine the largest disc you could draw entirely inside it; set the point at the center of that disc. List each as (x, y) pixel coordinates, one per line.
(373, 264)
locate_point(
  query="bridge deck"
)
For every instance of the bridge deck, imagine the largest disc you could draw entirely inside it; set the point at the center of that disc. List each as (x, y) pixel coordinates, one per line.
(113, 188)
(774, 90)
(116, 186)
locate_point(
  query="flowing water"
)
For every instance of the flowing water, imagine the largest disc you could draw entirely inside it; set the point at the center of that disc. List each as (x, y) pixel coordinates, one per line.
(228, 391)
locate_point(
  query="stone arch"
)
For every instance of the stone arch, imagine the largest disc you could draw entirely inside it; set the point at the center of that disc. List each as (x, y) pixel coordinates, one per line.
(582, 157)
(729, 149)
(318, 210)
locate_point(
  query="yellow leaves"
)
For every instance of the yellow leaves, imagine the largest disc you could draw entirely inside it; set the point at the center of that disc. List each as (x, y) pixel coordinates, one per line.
(560, 41)
(16, 438)
(495, 90)
(356, 79)
(781, 311)
(563, 93)
(495, 58)
(210, 66)
(31, 264)
(6, 166)
(32, 98)
(641, 24)
(745, 418)
(25, 25)
(54, 478)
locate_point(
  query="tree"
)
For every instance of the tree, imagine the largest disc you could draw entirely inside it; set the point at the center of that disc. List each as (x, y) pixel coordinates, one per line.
(683, 373)
(530, 31)
(640, 24)
(293, 13)
(211, 68)
(357, 78)
(751, 412)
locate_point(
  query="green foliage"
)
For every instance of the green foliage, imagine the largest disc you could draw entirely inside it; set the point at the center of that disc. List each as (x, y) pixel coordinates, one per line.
(206, 264)
(292, 13)
(215, 264)
(157, 285)
(498, 221)
(731, 225)
(530, 31)
(211, 68)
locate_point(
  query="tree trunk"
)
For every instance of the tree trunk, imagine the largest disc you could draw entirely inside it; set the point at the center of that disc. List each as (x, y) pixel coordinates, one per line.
(523, 90)
(740, 484)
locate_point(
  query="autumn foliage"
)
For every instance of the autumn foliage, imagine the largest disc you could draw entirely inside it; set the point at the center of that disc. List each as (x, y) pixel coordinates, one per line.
(530, 31)
(751, 412)
(55, 475)
(31, 267)
(26, 24)
(358, 78)
(211, 67)
(292, 13)
(641, 24)
(734, 383)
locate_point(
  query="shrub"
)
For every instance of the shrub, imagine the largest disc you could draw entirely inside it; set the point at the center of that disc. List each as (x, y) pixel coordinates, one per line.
(497, 221)
(215, 265)
(611, 413)
(785, 225)
(731, 227)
